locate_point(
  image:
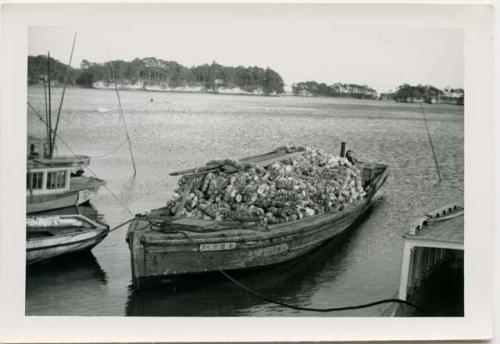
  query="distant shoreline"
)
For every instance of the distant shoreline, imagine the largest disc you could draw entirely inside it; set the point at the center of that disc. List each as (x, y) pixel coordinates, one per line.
(282, 95)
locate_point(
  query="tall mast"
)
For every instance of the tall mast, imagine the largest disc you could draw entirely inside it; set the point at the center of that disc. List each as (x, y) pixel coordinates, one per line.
(50, 106)
(62, 96)
(44, 80)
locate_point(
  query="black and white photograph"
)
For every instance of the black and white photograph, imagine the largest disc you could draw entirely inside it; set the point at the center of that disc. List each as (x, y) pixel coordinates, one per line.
(248, 179)
(239, 160)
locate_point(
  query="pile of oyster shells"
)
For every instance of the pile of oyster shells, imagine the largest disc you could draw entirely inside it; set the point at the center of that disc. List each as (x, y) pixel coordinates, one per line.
(291, 189)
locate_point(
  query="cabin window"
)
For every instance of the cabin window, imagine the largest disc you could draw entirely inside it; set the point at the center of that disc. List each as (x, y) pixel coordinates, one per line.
(34, 150)
(56, 180)
(34, 180)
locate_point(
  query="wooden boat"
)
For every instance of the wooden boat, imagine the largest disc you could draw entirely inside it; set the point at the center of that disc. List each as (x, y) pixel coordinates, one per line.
(38, 151)
(49, 236)
(50, 186)
(164, 248)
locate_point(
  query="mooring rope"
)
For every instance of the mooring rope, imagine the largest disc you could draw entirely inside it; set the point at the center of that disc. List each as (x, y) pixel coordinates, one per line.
(121, 225)
(114, 150)
(265, 297)
(287, 305)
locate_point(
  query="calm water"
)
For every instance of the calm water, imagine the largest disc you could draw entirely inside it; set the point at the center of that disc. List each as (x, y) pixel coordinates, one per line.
(180, 131)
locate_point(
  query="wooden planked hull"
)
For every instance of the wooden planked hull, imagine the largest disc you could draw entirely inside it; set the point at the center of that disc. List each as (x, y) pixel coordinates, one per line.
(159, 257)
(38, 204)
(82, 189)
(38, 250)
(49, 236)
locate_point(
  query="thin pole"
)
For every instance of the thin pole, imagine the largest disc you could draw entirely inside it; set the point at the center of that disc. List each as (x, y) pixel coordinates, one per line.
(50, 106)
(63, 92)
(120, 111)
(46, 111)
(430, 141)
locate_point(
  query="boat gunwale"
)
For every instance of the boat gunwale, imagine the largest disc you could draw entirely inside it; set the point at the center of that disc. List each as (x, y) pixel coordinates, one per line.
(273, 231)
(98, 233)
(96, 224)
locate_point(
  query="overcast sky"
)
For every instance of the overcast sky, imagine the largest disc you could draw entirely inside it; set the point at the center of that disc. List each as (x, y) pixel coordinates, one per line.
(316, 50)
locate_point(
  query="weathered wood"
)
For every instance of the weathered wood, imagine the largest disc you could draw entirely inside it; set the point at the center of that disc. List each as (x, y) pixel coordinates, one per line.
(184, 196)
(200, 169)
(172, 248)
(64, 239)
(342, 149)
(427, 245)
(260, 160)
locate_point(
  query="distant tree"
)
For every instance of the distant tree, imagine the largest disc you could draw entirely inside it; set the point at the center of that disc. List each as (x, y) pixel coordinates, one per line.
(336, 90)
(153, 71)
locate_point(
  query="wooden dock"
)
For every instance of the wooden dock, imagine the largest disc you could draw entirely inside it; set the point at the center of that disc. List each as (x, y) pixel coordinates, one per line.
(432, 241)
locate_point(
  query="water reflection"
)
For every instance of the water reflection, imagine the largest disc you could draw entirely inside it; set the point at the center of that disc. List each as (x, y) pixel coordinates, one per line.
(213, 295)
(53, 281)
(75, 267)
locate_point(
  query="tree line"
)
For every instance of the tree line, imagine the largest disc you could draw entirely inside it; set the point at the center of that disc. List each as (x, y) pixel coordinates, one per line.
(313, 88)
(150, 71)
(427, 93)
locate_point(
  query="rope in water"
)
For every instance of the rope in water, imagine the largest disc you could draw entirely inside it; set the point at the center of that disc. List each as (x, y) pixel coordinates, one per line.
(284, 304)
(287, 305)
(114, 150)
(238, 283)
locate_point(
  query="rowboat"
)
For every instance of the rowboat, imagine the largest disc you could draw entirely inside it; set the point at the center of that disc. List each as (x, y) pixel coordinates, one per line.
(50, 186)
(165, 248)
(49, 236)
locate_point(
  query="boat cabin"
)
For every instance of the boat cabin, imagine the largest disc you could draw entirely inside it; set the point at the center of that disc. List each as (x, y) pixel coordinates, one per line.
(38, 148)
(432, 266)
(42, 179)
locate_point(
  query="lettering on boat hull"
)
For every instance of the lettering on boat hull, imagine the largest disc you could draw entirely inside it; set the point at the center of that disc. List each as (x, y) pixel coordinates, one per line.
(269, 251)
(222, 246)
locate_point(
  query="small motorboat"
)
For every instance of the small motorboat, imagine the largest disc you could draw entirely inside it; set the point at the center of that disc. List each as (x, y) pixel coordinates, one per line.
(49, 236)
(164, 248)
(50, 186)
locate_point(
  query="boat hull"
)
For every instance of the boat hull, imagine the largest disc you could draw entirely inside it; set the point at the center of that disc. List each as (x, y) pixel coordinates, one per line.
(159, 258)
(162, 264)
(49, 236)
(38, 250)
(82, 190)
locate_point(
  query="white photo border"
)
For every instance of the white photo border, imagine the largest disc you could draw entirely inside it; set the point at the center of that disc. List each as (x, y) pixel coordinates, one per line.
(476, 21)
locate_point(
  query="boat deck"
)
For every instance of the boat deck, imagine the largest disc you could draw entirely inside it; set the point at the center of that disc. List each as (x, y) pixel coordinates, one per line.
(449, 231)
(432, 241)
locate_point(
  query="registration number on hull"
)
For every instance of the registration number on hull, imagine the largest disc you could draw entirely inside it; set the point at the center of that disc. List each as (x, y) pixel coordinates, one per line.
(221, 246)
